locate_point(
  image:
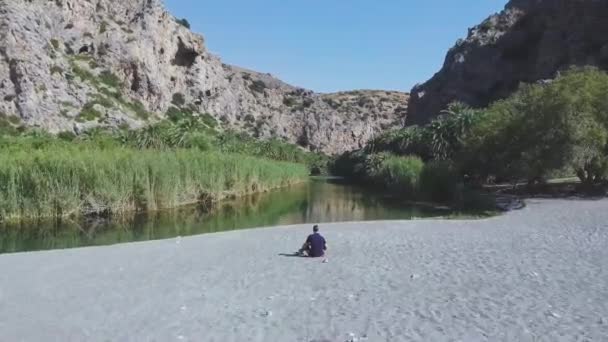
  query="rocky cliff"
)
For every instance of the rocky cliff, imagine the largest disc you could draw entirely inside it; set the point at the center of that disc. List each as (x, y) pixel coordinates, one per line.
(530, 40)
(70, 65)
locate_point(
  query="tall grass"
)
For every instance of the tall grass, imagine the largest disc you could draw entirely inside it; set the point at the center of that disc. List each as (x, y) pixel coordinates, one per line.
(165, 165)
(399, 174)
(72, 179)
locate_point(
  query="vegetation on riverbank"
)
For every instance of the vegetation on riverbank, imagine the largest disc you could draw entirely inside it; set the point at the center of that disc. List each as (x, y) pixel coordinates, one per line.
(543, 130)
(64, 181)
(165, 165)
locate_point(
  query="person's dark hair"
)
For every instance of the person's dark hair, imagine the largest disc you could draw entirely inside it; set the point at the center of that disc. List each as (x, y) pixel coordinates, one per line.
(315, 228)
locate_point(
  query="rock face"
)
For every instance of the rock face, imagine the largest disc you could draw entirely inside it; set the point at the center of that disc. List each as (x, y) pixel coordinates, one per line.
(530, 40)
(70, 65)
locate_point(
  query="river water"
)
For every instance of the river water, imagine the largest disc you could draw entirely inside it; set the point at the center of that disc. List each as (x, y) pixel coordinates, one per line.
(318, 201)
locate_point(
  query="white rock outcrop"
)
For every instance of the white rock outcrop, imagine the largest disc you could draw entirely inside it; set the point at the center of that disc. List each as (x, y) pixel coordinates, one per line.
(69, 65)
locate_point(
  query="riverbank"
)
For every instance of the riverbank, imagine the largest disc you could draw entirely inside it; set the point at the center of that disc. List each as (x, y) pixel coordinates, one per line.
(537, 274)
(68, 181)
(317, 200)
(185, 160)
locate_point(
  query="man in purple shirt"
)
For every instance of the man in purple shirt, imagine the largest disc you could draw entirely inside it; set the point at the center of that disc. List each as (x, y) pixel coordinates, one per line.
(315, 245)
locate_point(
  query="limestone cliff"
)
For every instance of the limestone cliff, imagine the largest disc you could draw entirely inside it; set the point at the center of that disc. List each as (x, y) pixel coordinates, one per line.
(76, 64)
(530, 40)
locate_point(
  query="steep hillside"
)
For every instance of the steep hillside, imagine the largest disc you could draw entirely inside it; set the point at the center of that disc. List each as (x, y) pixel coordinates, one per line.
(530, 40)
(70, 65)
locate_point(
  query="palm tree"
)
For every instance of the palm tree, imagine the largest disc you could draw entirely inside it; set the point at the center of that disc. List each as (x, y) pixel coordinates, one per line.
(447, 131)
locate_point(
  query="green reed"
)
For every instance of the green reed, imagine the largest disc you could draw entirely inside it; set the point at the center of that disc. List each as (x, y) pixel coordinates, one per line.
(61, 180)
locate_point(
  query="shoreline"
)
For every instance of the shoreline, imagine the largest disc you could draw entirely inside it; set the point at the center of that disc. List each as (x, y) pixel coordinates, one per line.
(214, 201)
(278, 228)
(279, 207)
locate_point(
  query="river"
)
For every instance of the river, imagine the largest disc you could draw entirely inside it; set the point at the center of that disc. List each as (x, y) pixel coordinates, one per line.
(320, 200)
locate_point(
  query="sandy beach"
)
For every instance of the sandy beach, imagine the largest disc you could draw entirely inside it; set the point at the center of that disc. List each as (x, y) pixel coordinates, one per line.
(537, 274)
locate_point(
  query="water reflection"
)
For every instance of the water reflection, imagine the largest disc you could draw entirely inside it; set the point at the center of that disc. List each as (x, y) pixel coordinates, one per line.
(320, 200)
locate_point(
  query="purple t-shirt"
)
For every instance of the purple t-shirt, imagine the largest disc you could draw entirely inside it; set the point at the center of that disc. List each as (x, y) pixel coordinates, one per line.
(317, 245)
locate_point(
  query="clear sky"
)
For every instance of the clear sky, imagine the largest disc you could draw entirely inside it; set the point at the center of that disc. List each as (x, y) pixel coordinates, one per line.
(330, 45)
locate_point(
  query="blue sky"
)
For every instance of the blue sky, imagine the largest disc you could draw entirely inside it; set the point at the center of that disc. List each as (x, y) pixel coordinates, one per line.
(331, 45)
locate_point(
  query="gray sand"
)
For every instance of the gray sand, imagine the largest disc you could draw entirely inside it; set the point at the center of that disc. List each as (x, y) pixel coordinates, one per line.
(539, 274)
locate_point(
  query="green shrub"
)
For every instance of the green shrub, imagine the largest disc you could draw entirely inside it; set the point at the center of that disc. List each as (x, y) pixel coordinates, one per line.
(441, 139)
(139, 109)
(365, 101)
(544, 128)
(184, 22)
(440, 182)
(55, 43)
(258, 86)
(289, 101)
(397, 174)
(88, 111)
(209, 120)
(67, 136)
(176, 114)
(231, 142)
(84, 74)
(538, 132)
(409, 141)
(332, 103)
(349, 165)
(103, 27)
(6, 127)
(108, 78)
(150, 137)
(103, 101)
(200, 141)
(178, 99)
(12, 119)
(82, 58)
(88, 114)
(56, 70)
(307, 103)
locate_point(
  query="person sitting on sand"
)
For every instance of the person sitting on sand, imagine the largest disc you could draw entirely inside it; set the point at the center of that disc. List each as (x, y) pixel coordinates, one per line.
(315, 245)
